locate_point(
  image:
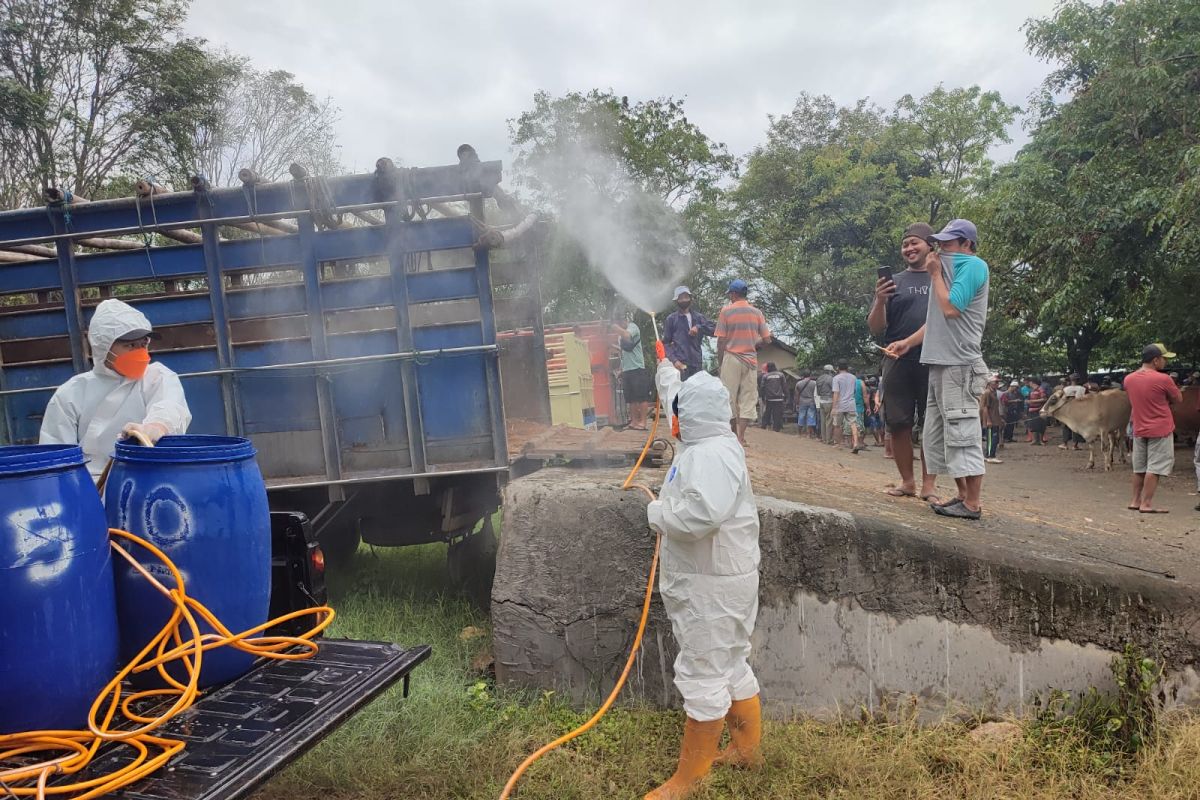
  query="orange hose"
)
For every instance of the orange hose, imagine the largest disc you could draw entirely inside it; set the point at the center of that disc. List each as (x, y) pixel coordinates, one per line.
(69, 752)
(637, 639)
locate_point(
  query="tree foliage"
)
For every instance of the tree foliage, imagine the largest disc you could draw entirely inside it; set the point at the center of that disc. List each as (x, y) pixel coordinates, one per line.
(823, 203)
(264, 121)
(97, 91)
(93, 87)
(1097, 214)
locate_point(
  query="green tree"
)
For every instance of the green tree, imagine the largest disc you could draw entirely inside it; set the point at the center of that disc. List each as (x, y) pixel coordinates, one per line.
(93, 88)
(943, 141)
(823, 201)
(1096, 216)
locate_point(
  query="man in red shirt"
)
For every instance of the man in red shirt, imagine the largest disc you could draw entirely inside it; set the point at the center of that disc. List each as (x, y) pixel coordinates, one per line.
(1151, 393)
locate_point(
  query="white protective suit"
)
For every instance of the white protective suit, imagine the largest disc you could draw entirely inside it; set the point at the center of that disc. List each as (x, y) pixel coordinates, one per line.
(709, 522)
(92, 408)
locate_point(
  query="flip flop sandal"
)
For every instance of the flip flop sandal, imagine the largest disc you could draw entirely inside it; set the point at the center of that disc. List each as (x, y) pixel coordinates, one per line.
(895, 492)
(1154, 511)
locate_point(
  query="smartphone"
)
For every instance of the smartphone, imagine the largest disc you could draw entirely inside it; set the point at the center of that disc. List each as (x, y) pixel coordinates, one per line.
(884, 272)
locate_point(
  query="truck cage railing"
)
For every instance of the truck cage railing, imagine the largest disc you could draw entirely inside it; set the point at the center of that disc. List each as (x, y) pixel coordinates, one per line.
(395, 326)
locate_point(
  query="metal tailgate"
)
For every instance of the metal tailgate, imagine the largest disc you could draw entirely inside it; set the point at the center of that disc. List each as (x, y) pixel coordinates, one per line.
(247, 730)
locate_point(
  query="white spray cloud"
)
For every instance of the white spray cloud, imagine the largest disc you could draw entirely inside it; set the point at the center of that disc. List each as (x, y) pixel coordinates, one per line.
(632, 237)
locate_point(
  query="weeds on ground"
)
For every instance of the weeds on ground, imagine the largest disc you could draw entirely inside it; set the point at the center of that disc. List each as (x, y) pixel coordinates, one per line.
(460, 736)
(1095, 732)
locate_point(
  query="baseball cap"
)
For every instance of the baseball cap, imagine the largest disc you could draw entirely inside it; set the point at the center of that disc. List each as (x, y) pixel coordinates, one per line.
(738, 285)
(827, 368)
(1153, 351)
(918, 229)
(681, 290)
(958, 229)
(1013, 383)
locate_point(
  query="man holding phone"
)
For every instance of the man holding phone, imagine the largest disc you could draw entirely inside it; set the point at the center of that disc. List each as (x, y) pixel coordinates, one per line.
(899, 311)
(951, 340)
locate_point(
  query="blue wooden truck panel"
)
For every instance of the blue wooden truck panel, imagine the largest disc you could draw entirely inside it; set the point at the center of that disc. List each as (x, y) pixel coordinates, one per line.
(413, 411)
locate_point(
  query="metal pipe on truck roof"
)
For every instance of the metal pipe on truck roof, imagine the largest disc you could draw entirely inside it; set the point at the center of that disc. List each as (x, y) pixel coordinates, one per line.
(273, 217)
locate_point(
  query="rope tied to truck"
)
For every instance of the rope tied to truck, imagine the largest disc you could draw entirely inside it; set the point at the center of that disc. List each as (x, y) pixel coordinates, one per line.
(147, 236)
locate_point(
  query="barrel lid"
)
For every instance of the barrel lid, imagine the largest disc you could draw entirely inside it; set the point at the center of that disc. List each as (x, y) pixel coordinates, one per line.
(23, 459)
(190, 449)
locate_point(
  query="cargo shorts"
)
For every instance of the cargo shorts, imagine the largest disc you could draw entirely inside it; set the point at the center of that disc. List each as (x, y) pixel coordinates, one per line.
(953, 435)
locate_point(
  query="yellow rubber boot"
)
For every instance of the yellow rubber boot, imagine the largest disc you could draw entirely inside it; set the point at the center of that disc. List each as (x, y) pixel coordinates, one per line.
(745, 734)
(696, 754)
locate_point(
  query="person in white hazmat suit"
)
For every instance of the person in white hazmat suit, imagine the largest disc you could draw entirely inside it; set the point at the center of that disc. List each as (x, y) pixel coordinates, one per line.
(124, 392)
(709, 580)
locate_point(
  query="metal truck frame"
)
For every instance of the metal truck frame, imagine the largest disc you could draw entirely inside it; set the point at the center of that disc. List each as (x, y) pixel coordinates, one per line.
(346, 325)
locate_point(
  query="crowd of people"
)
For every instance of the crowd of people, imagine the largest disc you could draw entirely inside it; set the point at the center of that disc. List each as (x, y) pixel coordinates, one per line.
(934, 393)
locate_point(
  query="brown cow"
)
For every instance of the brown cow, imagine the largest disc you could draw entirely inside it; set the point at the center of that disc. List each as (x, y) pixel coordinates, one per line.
(1187, 414)
(1099, 416)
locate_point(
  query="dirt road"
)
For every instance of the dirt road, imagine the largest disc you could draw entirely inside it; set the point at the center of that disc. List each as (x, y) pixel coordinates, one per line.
(1041, 501)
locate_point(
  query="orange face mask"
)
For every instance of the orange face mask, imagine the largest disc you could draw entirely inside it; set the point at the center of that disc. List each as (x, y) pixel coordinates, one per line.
(132, 364)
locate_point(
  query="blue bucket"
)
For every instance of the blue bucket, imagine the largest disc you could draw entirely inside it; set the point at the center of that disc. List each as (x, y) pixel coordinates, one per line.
(58, 630)
(202, 501)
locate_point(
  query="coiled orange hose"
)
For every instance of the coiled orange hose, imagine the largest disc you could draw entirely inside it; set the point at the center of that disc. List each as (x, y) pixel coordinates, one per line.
(179, 640)
(637, 639)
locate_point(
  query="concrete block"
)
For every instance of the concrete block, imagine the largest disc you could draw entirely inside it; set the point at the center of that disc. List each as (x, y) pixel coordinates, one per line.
(854, 613)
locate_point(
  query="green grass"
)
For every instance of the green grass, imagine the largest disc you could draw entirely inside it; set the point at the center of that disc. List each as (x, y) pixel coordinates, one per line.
(459, 736)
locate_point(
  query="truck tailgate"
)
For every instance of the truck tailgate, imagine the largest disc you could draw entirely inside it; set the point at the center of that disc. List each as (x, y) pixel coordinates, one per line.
(242, 733)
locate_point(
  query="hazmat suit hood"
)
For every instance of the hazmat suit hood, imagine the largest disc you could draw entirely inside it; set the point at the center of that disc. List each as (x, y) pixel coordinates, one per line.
(112, 320)
(703, 409)
(93, 408)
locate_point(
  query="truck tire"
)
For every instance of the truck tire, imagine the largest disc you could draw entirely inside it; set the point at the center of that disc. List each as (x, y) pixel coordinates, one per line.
(471, 563)
(339, 543)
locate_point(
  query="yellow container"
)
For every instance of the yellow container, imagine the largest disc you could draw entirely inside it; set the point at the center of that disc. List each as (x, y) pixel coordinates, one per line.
(569, 370)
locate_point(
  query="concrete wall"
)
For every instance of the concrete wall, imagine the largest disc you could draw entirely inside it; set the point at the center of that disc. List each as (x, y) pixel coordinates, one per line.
(853, 613)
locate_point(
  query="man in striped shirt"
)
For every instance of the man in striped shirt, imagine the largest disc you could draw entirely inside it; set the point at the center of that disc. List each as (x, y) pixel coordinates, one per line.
(741, 330)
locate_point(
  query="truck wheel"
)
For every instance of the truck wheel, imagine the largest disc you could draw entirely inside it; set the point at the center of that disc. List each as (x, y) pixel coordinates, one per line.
(339, 543)
(471, 563)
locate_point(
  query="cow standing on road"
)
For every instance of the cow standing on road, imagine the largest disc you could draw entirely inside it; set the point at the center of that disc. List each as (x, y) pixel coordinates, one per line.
(1099, 416)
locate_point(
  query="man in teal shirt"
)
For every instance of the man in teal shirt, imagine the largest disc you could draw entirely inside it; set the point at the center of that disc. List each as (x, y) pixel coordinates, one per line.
(952, 347)
(635, 379)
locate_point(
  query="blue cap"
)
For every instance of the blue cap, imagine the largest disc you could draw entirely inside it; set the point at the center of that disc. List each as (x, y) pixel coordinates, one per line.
(738, 285)
(958, 229)
(681, 290)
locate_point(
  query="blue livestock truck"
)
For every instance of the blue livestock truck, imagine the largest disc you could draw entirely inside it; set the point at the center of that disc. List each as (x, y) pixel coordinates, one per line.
(346, 325)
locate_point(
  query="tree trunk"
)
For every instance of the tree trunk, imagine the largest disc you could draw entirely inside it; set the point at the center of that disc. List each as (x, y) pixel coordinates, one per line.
(1079, 350)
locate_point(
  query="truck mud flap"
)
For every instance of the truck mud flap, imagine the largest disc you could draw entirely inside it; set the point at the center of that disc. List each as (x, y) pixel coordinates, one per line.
(247, 730)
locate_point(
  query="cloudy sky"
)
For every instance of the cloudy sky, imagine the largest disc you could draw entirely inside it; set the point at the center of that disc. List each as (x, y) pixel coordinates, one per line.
(415, 80)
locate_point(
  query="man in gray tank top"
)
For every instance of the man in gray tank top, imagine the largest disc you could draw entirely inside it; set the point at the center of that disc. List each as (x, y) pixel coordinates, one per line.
(951, 344)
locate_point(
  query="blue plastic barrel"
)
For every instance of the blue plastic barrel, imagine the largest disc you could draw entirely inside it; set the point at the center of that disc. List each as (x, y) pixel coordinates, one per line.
(58, 626)
(202, 501)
